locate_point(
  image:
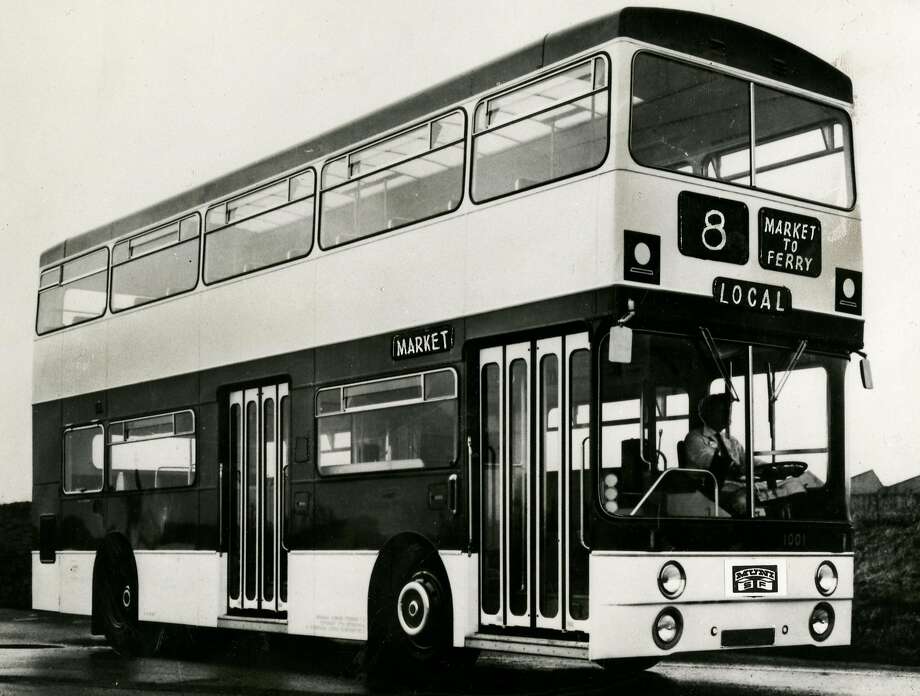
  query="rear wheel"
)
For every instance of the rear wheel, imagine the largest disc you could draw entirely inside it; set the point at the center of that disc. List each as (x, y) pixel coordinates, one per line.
(410, 618)
(116, 597)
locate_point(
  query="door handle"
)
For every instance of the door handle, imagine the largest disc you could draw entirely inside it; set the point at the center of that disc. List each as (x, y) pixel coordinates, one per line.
(469, 491)
(581, 496)
(220, 507)
(452, 493)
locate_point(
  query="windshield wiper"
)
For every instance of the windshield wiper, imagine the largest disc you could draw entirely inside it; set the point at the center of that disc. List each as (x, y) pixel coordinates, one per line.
(793, 361)
(714, 352)
(774, 391)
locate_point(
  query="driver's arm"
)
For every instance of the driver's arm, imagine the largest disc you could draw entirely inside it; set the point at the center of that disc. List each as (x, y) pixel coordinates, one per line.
(699, 451)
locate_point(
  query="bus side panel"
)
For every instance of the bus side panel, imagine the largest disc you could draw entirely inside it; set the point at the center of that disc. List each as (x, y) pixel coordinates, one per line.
(365, 295)
(76, 581)
(463, 575)
(363, 513)
(159, 339)
(46, 443)
(328, 592)
(155, 519)
(158, 396)
(84, 369)
(507, 262)
(46, 368)
(81, 526)
(208, 477)
(181, 587)
(46, 584)
(242, 321)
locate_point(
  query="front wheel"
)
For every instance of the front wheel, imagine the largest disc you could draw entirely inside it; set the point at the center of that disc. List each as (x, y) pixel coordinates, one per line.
(411, 619)
(628, 666)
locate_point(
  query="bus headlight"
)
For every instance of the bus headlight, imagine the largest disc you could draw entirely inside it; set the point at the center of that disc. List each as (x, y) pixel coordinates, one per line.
(821, 621)
(611, 493)
(666, 629)
(826, 578)
(672, 580)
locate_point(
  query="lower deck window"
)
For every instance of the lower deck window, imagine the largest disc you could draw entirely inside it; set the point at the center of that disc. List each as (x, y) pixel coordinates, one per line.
(83, 459)
(152, 452)
(405, 422)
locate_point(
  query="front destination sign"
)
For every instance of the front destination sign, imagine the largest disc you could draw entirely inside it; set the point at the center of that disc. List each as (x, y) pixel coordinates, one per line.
(757, 297)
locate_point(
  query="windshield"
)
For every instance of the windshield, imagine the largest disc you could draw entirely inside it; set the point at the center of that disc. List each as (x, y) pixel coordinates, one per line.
(674, 431)
(698, 121)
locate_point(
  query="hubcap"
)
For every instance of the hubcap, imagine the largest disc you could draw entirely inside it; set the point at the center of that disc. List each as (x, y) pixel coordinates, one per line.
(414, 607)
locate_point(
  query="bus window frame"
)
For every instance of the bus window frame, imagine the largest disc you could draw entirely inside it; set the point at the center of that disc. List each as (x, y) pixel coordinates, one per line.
(108, 489)
(327, 161)
(198, 274)
(782, 88)
(205, 232)
(72, 428)
(341, 386)
(60, 265)
(506, 89)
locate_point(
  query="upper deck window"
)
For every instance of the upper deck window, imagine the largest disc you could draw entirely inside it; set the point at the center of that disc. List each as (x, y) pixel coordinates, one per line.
(261, 228)
(546, 130)
(155, 264)
(698, 121)
(72, 292)
(407, 178)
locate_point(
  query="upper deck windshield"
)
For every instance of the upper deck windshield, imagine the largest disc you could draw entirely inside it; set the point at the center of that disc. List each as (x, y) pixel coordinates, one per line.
(697, 121)
(667, 449)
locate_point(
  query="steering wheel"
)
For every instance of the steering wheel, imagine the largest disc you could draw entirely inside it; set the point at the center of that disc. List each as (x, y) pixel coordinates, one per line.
(779, 471)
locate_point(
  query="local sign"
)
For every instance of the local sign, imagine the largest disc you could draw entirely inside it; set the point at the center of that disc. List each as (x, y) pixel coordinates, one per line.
(757, 297)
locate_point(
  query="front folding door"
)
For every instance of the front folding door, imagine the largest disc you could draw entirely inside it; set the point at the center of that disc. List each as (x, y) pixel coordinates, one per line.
(258, 430)
(533, 423)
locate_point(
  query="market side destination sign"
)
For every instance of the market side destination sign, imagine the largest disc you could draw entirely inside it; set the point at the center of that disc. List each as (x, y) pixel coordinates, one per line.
(756, 297)
(427, 341)
(790, 243)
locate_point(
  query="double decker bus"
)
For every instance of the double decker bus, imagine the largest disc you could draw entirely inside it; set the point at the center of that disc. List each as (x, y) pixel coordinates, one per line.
(428, 380)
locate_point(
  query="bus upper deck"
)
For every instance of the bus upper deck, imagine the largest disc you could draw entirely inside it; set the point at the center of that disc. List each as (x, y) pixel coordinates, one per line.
(638, 160)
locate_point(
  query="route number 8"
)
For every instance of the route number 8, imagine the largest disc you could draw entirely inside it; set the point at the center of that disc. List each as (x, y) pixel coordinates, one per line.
(718, 226)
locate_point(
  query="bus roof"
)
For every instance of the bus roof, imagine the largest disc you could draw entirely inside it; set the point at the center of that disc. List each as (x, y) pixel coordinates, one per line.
(713, 38)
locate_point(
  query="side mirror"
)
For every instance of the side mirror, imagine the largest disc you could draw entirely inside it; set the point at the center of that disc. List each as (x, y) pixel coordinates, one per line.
(620, 348)
(865, 371)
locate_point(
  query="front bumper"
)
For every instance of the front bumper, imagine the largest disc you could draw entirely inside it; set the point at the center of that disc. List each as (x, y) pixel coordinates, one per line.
(625, 601)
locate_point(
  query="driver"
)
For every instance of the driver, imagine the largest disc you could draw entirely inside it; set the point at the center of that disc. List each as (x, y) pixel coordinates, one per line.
(712, 447)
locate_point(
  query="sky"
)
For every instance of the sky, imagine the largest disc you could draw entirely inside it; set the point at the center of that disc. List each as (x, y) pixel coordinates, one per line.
(109, 106)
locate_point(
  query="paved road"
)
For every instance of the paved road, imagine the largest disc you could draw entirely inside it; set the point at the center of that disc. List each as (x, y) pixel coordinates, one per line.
(51, 654)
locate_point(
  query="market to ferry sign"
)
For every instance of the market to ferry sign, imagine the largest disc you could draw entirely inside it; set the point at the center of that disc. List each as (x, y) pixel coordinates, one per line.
(756, 297)
(428, 341)
(790, 243)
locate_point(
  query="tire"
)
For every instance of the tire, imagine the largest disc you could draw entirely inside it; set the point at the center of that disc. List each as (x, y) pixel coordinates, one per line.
(410, 620)
(629, 666)
(116, 600)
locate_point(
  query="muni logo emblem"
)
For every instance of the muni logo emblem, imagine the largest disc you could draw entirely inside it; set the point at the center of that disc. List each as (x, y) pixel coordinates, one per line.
(759, 579)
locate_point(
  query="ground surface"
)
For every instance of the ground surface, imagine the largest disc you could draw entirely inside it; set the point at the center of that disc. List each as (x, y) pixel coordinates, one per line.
(53, 654)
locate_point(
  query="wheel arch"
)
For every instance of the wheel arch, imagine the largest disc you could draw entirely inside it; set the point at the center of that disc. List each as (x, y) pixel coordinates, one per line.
(382, 581)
